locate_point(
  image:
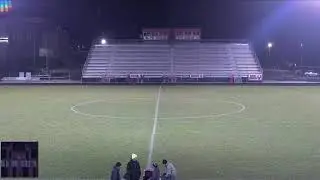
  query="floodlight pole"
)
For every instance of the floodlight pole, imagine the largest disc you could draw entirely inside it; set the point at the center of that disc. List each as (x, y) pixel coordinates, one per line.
(47, 51)
(269, 52)
(301, 54)
(34, 53)
(269, 46)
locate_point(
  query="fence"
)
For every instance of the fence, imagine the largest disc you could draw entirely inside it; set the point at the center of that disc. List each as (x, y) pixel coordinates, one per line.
(62, 75)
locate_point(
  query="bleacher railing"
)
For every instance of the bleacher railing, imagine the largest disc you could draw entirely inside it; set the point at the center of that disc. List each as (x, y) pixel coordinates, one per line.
(256, 57)
(115, 41)
(69, 75)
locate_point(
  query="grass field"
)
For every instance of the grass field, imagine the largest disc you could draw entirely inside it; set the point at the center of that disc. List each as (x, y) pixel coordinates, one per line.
(209, 132)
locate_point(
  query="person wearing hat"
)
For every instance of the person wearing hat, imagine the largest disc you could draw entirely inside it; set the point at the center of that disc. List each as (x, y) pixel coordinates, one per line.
(133, 169)
(170, 172)
(155, 172)
(115, 174)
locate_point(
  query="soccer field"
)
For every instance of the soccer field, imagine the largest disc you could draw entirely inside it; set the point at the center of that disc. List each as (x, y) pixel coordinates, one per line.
(208, 132)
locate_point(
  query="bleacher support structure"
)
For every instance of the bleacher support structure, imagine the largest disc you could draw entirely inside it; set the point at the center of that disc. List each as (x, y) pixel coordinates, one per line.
(202, 61)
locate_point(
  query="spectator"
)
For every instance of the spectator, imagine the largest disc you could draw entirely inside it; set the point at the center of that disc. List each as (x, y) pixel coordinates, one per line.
(155, 172)
(133, 169)
(148, 174)
(115, 174)
(170, 172)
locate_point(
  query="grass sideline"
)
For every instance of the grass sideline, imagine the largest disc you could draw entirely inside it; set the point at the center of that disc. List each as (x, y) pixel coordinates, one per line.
(274, 137)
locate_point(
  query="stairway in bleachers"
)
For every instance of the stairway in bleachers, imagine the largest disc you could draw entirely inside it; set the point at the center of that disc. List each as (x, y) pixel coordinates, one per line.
(179, 59)
(246, 61)
(97, 62)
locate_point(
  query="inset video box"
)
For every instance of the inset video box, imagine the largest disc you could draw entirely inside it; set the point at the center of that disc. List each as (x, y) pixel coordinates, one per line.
(19, 159)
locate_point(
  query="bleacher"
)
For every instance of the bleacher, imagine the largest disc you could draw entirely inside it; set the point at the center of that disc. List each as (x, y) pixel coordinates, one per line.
(175, 59)
(150, 60)
(97, 63)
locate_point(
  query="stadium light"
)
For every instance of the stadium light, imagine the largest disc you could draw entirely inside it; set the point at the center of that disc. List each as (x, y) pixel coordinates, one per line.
(269, 46)
(103, 41)
(4, 39)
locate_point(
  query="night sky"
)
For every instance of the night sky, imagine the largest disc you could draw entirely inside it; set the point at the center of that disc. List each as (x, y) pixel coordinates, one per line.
(286, 23)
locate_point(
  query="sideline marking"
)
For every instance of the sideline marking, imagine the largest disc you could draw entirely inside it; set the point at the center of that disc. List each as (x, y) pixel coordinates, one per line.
(154, 129)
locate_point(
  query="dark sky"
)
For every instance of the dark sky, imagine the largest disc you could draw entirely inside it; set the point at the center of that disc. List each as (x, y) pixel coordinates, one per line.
(287, 23)
(125, 18)
(217, 18)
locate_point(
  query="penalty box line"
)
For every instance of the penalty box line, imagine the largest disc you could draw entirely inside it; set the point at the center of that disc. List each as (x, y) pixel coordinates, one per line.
(154, 129)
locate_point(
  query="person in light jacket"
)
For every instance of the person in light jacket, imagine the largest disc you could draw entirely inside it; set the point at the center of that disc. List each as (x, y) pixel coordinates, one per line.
(155, 172)
(170, 172)
(115, 174)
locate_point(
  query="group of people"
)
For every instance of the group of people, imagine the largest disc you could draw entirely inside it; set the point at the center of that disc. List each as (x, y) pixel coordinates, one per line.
(133, 171)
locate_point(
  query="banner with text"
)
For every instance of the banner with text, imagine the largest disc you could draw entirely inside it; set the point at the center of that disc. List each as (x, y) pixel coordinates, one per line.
(255, 77)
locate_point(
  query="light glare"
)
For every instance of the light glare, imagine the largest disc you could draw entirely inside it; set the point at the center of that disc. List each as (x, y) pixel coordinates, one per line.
(103, 41)
(4, 39)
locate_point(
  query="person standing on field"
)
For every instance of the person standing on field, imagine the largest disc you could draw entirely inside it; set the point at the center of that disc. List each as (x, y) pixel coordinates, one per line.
(115, 174)
(155, 172)
(133, 169)
(170, 172)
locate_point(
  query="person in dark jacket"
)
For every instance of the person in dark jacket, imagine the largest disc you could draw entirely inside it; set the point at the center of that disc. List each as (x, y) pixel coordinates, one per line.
(133, 169)
(115, 174)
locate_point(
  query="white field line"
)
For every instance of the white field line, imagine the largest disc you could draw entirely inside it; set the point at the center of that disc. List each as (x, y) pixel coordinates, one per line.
(193, 132)
(75, 110)
(51, 100)
(242, 108)
(154, 129)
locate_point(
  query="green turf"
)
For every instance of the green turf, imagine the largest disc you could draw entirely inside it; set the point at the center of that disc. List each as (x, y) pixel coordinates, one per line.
(204, 130)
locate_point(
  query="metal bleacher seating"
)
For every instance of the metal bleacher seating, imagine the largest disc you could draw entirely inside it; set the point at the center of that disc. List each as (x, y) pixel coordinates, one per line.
(98, 61)
(215, 60)
(175, 59)
(245, 59)
(150, 60)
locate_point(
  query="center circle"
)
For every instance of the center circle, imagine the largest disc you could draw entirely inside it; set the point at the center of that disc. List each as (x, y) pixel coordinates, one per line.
(144, 108)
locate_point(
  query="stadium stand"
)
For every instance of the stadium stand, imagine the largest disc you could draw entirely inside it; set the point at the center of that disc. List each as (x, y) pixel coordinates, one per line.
(150, 60)
(174, 59)
(97, 63)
